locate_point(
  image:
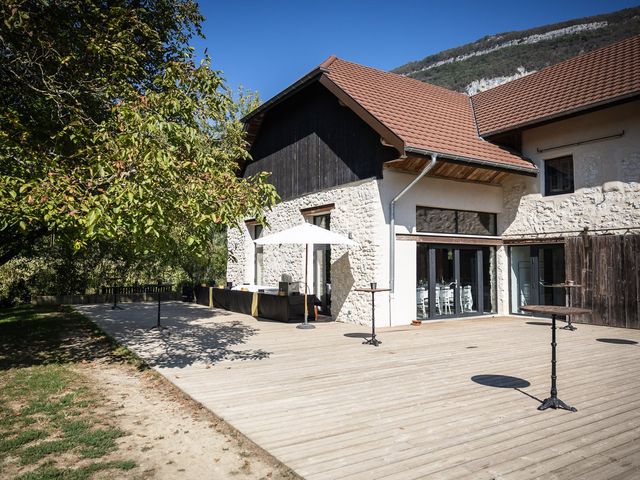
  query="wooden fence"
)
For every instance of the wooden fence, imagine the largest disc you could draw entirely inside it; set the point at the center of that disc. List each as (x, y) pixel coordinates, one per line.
(129, 289)
(100, 298)
(608, 268)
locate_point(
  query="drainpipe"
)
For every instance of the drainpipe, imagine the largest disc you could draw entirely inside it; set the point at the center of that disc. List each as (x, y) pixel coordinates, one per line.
(392, 229)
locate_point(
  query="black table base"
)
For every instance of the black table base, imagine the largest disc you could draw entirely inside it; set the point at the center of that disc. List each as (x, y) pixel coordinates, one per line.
(372, 341)
(553, 401)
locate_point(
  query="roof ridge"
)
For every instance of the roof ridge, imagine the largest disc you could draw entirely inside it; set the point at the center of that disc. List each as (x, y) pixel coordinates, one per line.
(396, 75)
(473, 114)
(327, 63)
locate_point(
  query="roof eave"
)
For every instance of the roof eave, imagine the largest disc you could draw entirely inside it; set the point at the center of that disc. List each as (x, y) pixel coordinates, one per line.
(562, 115)
(532, 171)
(279, 97)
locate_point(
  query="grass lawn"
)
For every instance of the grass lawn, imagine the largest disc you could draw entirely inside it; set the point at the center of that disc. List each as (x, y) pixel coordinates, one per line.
(52, 422)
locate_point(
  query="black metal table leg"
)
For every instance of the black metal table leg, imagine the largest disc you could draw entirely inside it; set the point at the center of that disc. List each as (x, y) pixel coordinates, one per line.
(553, 401)
(115, 299)
(373, 340)
(567, 297)
(158, 326)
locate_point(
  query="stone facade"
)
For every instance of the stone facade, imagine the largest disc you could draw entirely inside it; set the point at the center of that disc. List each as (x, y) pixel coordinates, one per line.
(357, 213)
(606, 176)
(607, 195)
(611, 205)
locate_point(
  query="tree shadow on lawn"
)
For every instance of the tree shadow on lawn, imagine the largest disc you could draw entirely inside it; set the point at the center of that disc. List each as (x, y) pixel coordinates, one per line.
(42, 335)
(193, 334)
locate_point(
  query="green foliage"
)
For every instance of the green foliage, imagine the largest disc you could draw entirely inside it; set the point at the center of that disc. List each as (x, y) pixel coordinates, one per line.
(110, 132)
(54, 268)
(45, 335)
(535, 56)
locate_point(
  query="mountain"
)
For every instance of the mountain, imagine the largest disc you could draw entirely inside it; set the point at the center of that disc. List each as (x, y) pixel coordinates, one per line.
(499, 58)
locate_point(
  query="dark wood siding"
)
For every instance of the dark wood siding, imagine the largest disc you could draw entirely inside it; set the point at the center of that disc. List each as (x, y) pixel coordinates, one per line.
(608, 268)
(310, 142)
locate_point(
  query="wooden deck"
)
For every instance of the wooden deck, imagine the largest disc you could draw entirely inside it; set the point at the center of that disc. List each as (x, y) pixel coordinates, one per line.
(332, 408)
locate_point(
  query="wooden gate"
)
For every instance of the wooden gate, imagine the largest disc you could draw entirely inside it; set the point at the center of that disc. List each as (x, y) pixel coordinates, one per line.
(608, 268)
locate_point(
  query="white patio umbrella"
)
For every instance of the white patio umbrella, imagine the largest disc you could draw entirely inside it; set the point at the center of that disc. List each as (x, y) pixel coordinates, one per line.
(305, 234)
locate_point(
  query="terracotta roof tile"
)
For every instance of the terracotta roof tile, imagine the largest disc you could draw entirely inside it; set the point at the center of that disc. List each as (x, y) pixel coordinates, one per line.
(424, 116)
(578, 83)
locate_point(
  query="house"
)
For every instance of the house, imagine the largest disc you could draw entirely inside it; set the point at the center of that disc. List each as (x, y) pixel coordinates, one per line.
(461, 205)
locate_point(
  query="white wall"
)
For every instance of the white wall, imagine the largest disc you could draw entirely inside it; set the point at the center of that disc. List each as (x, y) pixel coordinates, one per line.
(606, 175)
(428, 192)
(435, 192)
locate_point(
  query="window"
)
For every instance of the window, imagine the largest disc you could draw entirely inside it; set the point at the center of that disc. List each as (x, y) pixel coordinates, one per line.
(258, 259)
(441, 220)
(558, 176)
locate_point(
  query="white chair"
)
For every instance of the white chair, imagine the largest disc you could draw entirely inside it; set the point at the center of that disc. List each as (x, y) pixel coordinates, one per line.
(446, 299)
(466, 299)
(421, 295)
(450, 299)
(422, 300)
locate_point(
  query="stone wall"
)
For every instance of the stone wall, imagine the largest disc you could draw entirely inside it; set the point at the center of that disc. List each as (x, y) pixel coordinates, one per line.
(606, 175)
(357, 212)
(611, 205)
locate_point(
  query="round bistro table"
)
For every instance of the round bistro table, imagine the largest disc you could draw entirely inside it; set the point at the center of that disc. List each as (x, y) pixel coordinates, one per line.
(158, 326)
(373, 290)
(553, 401)
(114, 282)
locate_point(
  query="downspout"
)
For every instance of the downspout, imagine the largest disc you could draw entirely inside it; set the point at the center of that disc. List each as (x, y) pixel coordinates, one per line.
(392, 229)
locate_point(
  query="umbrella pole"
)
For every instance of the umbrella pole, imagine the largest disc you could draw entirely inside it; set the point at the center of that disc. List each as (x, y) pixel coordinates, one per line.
(306, 323)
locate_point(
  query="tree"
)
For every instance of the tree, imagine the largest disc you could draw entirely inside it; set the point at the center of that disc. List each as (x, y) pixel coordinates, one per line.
(109, 130)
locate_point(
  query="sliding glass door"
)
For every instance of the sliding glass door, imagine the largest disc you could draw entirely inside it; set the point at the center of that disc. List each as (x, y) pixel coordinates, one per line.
(454, 280)
(533, 270)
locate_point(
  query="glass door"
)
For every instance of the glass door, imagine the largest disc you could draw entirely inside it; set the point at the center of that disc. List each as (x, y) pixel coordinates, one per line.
(550, 271)
(422, 282)
(533, 270)
(322, 268)
(454, 280)
(468, 283)
(446, 282)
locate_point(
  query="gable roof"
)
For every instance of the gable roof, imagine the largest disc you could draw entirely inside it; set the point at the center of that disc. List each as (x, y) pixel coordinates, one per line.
(427, 118)
(606, 75)
(413, 116)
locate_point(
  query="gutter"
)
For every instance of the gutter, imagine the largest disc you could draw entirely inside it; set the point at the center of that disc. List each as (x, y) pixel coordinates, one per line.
(392, 228)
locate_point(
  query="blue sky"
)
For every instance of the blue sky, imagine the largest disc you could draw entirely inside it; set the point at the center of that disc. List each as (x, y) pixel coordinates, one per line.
(266, 45)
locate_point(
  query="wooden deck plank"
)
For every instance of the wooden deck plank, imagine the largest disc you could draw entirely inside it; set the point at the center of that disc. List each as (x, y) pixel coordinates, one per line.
(331, 408)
